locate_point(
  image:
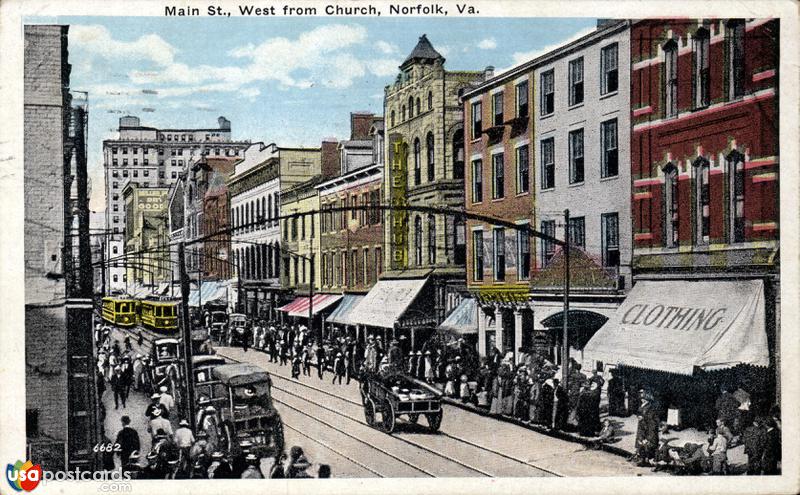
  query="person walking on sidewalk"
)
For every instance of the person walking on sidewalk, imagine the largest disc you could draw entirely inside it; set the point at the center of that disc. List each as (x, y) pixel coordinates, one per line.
(159, 423)
(320, 355)
(166, 399)
(184, 439)
(118, 386)
(646, 431)
(127, 439)
(307, 351)
(338, 368)
(560, 406)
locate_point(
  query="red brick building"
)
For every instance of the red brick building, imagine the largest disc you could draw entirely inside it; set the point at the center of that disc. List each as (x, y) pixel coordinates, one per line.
(216, 212)
(704, 153)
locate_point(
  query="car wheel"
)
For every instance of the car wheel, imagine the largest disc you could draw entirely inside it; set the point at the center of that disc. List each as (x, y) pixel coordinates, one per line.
(388, 417)
(369, 411)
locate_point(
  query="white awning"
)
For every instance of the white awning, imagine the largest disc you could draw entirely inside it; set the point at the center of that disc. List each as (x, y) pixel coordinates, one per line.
(464, 319)
(676, 326)
(386, 302)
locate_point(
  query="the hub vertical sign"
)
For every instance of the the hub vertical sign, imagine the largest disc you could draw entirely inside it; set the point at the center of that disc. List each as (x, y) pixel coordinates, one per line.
(398, 186)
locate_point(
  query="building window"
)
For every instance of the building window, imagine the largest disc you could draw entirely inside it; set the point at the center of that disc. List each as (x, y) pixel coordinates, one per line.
(576, 81)
(114, 250)
(459, 241)
(391, 118)
(114, 173)
(736, 180)
(477, 120)
(477, 255)
(174, 174)
(161, 174)
(294, 227)
(354, 202)
(113, 151)
(734, 34)
(135, 161)
(431, 165)
(430, 100)
(417, 163)
(522, 99)
(499, 248)
(577, 232)
(431, 240)
(523, 255)
(576, 156)
(136, 173)
(124, 151)
(115, 197)
(610, 225)
(367, 275)
(548, 164)
(115, 207)
(548, 93)
(609, 75)
(498, 176)
(497, 108)
(671, 203)
(703, 199)
(174, 162)
(458, 154)
(701, 44)
(419, 107)
(523, 166)
(116, 219)
(610, 153)
(114, 185)
(418, 241)
(477, 181)
(125, 173)
(403, 113)
(124, 162)
(115, 162)
(670, 79)
(146, 173)
(116, 278)
(410, 107)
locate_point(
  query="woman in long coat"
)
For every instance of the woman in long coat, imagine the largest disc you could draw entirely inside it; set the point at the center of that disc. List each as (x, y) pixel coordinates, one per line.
(497, 395)
(521, 395)
(545, 407)
(534, 398)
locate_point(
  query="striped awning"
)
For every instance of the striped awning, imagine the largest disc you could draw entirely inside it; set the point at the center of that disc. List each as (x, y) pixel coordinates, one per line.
(209, 291)
(299, 307)
(464, 319)
(340, 315)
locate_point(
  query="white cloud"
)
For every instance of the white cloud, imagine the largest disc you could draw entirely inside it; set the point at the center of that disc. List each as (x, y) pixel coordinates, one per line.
(97, 40)
(383, 67)
(522, 57)
(488, 44)
(387, 48)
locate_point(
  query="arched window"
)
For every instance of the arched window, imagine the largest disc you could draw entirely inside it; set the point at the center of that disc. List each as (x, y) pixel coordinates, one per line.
(430, 100)
(410, 106)
(703, 200)
(418, 241)
(391, 119)
(670, 78)
(417, 164)
(429, 147)
(702, 64)
(419, 107)
(431, 240)
(671, 205)
(458, 154)
(736, 183)
(403, 113)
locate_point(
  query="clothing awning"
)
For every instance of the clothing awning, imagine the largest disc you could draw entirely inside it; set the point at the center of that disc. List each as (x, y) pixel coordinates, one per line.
(209, 291)
(341, 314)
(676, 326)
(387, 302)
(464, 319)
(299, 307)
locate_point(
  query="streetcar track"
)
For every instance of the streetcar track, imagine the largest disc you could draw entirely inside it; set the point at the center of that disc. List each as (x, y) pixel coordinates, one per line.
(329, 425)
(154, 336)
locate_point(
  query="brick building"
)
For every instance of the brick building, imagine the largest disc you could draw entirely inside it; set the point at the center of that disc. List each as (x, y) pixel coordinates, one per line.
(151, 157)
(61, 414)
(352, 242)
(704, 164)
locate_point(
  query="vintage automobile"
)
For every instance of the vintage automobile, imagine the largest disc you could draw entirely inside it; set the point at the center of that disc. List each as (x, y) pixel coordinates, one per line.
(242, 393)
(217, 322)
(394, 394)
(237, 324)
(165, 366)
(202, 367)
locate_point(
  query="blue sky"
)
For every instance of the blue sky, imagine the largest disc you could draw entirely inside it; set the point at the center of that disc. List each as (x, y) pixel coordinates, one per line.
(283, 80)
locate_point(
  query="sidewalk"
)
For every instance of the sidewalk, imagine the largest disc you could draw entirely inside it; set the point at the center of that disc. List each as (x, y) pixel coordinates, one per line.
(134, 408)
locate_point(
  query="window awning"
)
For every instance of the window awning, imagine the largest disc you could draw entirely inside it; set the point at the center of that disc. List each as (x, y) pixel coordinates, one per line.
(341, 314)
(299, 307)
(386, 302)
(677, 326)
(464, 319)
(209, 291)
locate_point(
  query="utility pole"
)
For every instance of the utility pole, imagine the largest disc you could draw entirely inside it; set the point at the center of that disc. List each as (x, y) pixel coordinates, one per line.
(187, 335)
(103, 267)
(565, 329)
(311, 290)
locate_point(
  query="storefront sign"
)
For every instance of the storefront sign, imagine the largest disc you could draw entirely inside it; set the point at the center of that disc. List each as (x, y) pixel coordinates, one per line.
(674, 317)
(493, 295)
(398, 177)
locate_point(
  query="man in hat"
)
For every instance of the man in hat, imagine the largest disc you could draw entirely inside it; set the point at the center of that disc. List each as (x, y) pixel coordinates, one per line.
(647, 430)
(395, 354)
(158, 422)
(371, 355)
(131, 466)
(253, 471)
(338, 368)
(320, 355)
(219, 468)
(238, 453)
(127, 439)
(772, 449)
(118, 386)
(297, 464)
(166, 399)
(184, 439)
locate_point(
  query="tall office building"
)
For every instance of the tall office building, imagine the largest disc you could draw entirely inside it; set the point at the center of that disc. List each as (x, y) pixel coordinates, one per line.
(151, 157)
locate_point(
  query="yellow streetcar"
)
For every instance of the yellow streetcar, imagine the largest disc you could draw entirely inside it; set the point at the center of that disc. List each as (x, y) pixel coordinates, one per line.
(159, 315)
(120, 312)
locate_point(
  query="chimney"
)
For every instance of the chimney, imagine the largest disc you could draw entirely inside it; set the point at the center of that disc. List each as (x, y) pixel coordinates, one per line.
(329, 159)
(360, 124)
(488, 72)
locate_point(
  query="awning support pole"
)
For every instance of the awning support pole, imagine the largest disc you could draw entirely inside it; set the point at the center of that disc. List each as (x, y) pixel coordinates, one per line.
(565, 329)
